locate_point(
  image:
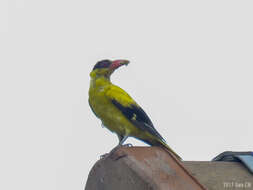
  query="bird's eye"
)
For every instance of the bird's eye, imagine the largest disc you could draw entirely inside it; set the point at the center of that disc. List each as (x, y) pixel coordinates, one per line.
(102, 64)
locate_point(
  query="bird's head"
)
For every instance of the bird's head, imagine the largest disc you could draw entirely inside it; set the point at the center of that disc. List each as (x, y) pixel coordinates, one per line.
(105, 68)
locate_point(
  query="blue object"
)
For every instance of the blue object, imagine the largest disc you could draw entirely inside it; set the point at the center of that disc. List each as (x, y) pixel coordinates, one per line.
(246, 158)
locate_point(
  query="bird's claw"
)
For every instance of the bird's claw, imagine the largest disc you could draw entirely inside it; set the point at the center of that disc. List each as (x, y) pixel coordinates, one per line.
(114, 156)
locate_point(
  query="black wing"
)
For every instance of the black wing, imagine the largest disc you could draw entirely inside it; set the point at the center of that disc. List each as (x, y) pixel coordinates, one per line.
(137, 116)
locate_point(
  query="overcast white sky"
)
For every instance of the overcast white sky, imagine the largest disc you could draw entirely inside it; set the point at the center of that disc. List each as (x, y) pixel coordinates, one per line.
(191, 70)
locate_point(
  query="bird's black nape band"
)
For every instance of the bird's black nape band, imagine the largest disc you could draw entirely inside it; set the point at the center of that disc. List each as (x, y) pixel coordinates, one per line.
(102, 64)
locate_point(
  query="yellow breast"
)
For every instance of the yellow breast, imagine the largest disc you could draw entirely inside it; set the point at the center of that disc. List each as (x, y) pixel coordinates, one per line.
(110, 116)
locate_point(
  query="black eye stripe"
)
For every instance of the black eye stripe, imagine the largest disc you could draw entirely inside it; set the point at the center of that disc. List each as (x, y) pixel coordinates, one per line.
(102, 64)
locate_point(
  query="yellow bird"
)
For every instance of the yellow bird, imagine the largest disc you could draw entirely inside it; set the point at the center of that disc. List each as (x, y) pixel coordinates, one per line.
(117, 110)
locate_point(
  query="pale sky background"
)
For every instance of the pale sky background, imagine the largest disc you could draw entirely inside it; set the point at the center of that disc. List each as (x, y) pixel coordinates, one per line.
(191, 71)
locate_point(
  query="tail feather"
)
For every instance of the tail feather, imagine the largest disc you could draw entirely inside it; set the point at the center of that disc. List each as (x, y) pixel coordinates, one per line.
(161, 143)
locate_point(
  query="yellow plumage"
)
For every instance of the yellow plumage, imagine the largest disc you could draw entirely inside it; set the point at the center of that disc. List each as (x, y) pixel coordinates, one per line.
(117, 110)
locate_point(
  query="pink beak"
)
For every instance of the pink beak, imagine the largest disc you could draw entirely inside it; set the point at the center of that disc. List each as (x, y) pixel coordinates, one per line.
(117, 63)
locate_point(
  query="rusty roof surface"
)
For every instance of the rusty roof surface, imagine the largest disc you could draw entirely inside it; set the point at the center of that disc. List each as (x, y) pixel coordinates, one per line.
(152, 168)
(141, 168)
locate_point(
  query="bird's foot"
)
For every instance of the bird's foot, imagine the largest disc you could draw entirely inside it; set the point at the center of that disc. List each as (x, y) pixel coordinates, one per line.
(114, 156)
(119, 154)
(110, 153)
